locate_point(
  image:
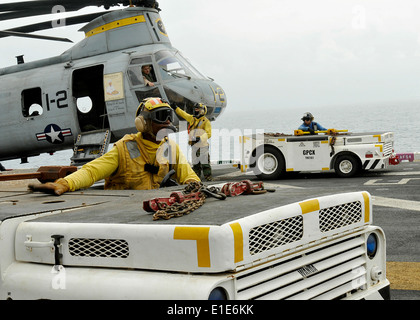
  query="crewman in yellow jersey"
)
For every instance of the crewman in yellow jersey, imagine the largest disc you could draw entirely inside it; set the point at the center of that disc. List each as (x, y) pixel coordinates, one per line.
(199, 132)
(137, 161)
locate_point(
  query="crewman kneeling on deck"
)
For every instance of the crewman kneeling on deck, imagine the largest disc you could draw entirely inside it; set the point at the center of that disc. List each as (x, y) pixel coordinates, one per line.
(137, 161)
(199, 132)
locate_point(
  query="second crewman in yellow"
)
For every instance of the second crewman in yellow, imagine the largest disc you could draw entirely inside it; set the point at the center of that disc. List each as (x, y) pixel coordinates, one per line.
(199, 132)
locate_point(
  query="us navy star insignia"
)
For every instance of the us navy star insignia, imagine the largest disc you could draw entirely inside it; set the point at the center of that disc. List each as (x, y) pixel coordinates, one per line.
(53, 134)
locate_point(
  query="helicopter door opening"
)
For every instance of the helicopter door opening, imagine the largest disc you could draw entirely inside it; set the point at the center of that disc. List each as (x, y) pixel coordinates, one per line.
(32, 102)
(88, 92)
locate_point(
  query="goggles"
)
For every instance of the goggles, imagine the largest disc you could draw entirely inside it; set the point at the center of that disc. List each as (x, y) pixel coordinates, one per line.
(306, 119)
(160, 115)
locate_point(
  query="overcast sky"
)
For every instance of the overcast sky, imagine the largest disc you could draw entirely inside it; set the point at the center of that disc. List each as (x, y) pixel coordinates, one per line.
(290, 53)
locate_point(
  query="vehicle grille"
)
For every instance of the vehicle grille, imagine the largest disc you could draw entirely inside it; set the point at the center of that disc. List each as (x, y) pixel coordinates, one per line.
(275, 234)
(387, 149)
(331, 272)
(103, 248)
(339, 216)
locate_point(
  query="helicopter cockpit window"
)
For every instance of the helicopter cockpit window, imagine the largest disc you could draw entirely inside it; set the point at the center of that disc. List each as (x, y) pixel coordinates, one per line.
(148, 75)
(32, 102)
(142, 60)
(141, 72)
(134, 74)
(174, 65)
(193, 70)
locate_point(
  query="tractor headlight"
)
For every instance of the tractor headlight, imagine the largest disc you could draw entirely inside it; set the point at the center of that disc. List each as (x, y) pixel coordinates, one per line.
(218, 294)
(372, 245)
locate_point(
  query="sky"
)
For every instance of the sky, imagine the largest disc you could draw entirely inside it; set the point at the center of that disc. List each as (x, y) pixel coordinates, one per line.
(281, 53)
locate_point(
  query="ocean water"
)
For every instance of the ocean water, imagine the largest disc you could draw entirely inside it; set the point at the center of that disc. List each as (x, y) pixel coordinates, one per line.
(399, 117)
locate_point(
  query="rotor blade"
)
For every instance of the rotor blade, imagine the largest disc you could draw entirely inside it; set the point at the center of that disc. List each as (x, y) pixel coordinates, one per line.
(19, 14)
(41, 7)
(37, 7)
(25, 35)
(49, 24)
(69, 5)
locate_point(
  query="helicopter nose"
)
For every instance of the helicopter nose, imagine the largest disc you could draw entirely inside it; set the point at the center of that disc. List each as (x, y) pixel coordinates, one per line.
(214, 97)
(189, 92)
(217, 94)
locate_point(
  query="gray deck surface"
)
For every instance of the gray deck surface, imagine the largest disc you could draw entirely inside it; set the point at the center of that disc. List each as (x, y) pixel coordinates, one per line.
(104, 206)
(395, 195)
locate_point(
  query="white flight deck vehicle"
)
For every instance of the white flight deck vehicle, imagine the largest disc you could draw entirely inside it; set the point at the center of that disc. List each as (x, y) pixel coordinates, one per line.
(270, 155)
(100, 244)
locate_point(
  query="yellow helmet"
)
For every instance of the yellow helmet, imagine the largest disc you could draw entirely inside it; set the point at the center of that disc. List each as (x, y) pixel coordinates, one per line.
(152, 109)
(202, 110)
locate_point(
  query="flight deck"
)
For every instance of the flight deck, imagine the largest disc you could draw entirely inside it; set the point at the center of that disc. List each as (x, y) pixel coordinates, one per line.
(394, 198)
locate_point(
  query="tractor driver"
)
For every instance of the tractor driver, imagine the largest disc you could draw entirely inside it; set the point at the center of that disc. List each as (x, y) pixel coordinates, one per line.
(310, 125)
(137, 161)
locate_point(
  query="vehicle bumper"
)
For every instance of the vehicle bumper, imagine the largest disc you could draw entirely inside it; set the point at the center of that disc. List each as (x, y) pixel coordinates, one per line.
(380, 291)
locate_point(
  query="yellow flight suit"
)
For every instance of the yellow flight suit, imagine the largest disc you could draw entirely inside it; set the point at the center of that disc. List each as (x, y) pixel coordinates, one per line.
(199, 127)
(123, 167)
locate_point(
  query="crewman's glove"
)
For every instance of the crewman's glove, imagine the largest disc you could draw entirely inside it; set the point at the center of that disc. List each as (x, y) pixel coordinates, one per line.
(56, 188)
(312, 131)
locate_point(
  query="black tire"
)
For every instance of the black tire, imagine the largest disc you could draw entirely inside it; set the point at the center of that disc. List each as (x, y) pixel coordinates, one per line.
(346, 166)
(269, 163)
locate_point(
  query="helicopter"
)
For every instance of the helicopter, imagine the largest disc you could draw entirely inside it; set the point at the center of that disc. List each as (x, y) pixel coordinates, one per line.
(86, 97)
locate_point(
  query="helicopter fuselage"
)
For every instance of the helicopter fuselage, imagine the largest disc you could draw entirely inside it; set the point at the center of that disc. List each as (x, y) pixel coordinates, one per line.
(97, 84)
